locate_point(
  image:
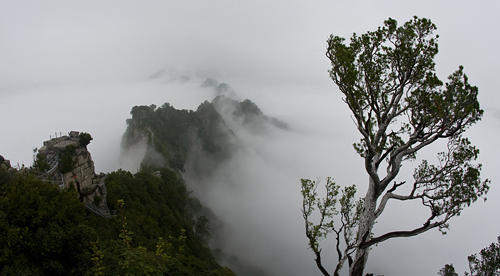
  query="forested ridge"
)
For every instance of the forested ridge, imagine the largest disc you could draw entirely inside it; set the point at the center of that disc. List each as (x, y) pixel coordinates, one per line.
(45, 230)
(159, 227)
(194, 144)
(172, 134)
(196, 140)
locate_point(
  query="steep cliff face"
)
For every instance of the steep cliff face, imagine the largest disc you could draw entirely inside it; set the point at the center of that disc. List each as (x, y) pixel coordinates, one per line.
(66, 161)
(179, 139)
(195, 141)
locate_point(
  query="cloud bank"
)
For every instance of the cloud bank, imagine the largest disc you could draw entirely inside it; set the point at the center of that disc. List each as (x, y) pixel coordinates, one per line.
(84, 65)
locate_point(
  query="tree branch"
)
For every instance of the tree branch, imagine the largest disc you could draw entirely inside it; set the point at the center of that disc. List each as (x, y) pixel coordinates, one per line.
(318, 263)
(390, 195)
(396, 234)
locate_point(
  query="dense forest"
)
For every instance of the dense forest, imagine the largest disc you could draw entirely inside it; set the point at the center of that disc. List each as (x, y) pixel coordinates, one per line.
(45, 230)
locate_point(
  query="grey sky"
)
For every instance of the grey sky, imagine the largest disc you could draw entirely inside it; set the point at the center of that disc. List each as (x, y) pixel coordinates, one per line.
(82, 65)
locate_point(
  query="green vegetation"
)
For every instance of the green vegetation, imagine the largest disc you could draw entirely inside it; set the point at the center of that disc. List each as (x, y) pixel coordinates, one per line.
(66, 162)
(40, 164)
(399, 107)
(42, 229)
(488, 261)
(448, 270)
(350, 213)
(46, 231)
(84, 139)
(486, 264)
(173, 133)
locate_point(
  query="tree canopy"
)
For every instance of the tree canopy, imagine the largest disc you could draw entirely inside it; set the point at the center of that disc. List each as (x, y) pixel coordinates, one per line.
(399, 106)
(45, 230)
(42, 229)
(487, 263)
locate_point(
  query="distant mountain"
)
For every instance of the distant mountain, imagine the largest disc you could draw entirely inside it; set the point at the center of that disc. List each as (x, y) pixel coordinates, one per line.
(194, 140)
(172, 136)
(170, 76)
(246, 113)
(197, 142)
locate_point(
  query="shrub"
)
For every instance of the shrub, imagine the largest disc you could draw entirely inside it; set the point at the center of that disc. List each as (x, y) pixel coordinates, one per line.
(85, 139)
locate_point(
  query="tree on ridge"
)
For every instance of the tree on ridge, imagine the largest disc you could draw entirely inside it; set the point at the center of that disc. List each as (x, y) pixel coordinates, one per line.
(399, 107)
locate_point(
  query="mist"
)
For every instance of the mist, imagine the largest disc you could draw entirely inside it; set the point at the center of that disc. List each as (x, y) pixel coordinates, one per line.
(83, 66)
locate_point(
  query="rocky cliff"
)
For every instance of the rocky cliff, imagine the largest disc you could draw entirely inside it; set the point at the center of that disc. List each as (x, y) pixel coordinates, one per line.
(66, 161)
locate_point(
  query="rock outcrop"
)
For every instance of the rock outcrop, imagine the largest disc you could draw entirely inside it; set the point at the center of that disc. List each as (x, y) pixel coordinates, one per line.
(4, 162)
(65, 160)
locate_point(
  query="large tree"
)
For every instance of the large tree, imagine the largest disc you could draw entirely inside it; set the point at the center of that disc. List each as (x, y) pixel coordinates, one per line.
(399, 107)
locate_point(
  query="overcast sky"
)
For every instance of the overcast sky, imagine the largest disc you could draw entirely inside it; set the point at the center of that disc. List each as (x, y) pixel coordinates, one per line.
(82, 65)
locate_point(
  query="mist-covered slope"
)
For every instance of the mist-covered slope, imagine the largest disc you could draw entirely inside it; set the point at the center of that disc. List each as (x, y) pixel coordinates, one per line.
(171, 135)
(195, 141)
(195, 144)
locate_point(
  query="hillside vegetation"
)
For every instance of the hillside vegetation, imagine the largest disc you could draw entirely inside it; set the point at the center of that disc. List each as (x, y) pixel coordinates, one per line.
(45, 230)
(159, 229)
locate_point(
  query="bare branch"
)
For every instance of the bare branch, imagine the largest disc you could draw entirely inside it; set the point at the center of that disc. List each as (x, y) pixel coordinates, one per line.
(426, 227)
(390, 195)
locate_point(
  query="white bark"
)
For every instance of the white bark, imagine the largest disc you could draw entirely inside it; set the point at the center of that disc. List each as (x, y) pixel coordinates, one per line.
(365, 228)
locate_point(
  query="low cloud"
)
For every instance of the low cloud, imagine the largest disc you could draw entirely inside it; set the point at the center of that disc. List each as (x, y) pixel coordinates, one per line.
(257, 191)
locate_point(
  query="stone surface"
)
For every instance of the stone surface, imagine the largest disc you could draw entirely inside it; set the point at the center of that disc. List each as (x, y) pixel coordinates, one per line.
(83, 173)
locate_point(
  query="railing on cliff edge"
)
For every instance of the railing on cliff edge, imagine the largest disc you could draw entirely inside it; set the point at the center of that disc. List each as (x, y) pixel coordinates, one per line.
(103, 212)
(53, 162)
(58, 178)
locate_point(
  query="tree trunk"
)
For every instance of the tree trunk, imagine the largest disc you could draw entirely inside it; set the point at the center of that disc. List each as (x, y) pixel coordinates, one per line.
(364, 230)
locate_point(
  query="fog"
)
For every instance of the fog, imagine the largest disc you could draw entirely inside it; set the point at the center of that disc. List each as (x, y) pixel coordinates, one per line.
(83, 66)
